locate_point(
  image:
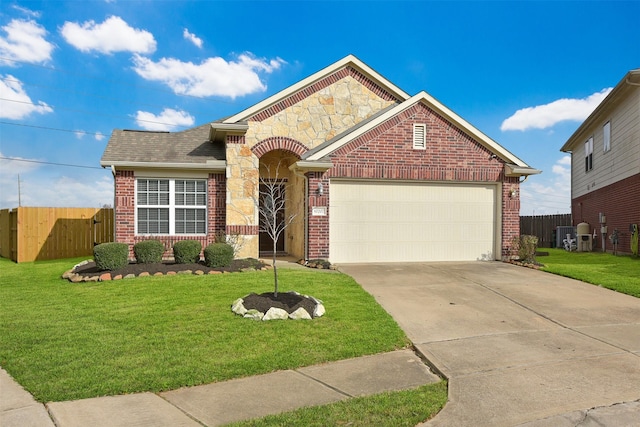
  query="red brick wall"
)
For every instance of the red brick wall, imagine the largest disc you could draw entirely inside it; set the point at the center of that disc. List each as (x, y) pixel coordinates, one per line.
(619, 202)
(125, 212)
(318, 244)
(386, 152)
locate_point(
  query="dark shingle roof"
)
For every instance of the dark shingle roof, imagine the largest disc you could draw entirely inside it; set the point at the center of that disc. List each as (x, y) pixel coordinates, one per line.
(189, 146)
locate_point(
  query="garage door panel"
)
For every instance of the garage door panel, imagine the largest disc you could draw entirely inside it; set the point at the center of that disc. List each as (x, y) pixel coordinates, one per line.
(386, 222)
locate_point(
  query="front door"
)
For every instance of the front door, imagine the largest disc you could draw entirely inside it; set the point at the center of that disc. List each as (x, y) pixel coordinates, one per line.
(275, 190)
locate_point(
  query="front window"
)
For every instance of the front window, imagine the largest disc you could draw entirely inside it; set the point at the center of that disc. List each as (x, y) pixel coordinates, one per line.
(171, 206)
(606, 136)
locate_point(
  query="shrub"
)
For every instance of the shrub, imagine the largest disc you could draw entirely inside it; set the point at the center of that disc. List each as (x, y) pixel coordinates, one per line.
(218, 255)
(148, 251)
(111, 256)
(525, 246)
(187, 251)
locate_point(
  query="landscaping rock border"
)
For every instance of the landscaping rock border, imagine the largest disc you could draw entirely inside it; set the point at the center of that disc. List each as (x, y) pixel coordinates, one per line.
(77, 275)
(285, 309)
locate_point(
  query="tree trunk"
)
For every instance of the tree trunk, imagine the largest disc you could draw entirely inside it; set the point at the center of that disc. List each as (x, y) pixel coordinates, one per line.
(275, 270)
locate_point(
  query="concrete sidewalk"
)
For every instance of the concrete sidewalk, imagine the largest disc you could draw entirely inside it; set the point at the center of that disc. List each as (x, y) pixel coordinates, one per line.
(517, 345)
(221, 403)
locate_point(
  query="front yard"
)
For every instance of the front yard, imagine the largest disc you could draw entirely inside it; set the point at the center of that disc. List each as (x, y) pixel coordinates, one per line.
(65, 341)
(620, 273)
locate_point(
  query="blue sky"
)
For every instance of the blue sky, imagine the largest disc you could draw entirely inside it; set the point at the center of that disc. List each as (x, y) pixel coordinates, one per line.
(524, 73)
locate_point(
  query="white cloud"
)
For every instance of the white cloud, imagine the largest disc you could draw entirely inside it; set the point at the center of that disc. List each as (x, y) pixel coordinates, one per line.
(551, 196)
(25, 42)
(26, 11)
(547, 115)
(65, 191)
(99, 136)
(192, 38)
(39, 188)
(80, 134)
(15, 103)
(213, 77)
(113, 35)
(167, 120)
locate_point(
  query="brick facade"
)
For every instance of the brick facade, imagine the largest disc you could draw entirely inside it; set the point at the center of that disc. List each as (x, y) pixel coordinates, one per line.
(125, 213)
(387, 152)
(619, 202)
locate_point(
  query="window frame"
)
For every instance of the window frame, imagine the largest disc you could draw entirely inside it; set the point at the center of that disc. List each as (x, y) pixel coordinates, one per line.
(588, 155)
(606, 137)
(200, 220)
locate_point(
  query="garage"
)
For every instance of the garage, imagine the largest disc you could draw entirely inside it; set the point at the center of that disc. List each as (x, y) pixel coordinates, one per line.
(384, 221)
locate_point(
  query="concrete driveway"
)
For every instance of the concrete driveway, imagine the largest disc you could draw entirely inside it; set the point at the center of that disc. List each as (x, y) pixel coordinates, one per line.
(517, 345)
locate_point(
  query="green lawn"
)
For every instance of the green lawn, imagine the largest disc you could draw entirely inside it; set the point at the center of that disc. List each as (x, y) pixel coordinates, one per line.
(396, 409)
(620, 273)
(65, 341)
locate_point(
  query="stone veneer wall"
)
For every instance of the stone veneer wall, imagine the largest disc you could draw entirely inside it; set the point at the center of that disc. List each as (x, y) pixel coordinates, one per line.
(297, 124)
(321, 116)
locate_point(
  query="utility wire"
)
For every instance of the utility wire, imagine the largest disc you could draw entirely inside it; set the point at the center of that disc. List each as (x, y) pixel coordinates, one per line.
(50, 128)
(50, 163)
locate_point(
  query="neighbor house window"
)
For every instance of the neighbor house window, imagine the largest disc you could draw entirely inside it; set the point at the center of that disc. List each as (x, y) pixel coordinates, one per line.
(419, 136)
(588, 155)
(606, 133)
(171, 206)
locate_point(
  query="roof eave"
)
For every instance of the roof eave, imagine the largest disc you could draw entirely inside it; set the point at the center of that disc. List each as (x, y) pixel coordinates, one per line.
(311, 166)
(219, 130)
(631, 78)
(212, 165)
(512, 170)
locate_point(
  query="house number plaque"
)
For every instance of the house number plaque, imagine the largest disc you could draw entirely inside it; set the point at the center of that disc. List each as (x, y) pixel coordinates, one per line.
(319, 211)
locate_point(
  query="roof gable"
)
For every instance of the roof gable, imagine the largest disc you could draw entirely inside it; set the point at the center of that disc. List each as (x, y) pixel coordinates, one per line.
(422, 97)
(348, 66)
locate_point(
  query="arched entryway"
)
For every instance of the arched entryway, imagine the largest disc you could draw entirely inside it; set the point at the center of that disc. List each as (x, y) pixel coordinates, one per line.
(281, 199)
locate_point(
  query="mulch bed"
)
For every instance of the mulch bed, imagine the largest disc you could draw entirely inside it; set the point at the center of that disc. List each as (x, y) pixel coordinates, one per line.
(287, 301)
(90, 269)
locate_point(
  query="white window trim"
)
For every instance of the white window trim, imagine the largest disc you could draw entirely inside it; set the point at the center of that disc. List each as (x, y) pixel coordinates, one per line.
(606, 136)
(172, 207)
(419, 136)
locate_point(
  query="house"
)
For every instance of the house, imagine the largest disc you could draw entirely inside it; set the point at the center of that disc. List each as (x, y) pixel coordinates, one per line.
(372, 173)
(605, 166)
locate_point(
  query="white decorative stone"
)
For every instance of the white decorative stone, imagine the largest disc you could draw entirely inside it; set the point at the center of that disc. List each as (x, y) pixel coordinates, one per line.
(238, 307)
(300, 314)
(275, 314)
(319, 310)
(254, 314)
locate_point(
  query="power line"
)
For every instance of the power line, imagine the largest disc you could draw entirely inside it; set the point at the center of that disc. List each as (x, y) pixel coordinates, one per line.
(50, 128)
(50, 163)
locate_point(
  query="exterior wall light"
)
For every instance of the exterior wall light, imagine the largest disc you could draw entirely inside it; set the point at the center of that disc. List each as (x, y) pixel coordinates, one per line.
(320, 189)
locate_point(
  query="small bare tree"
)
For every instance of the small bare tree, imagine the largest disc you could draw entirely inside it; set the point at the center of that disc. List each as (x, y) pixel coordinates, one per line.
(274, 220)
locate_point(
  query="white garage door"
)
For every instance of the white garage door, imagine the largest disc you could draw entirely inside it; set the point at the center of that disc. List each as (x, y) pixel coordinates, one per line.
(405, 222)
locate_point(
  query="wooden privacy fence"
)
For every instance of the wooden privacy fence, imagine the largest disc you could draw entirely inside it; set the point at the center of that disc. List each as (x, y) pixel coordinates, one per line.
(544, 227)
(35, 234)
